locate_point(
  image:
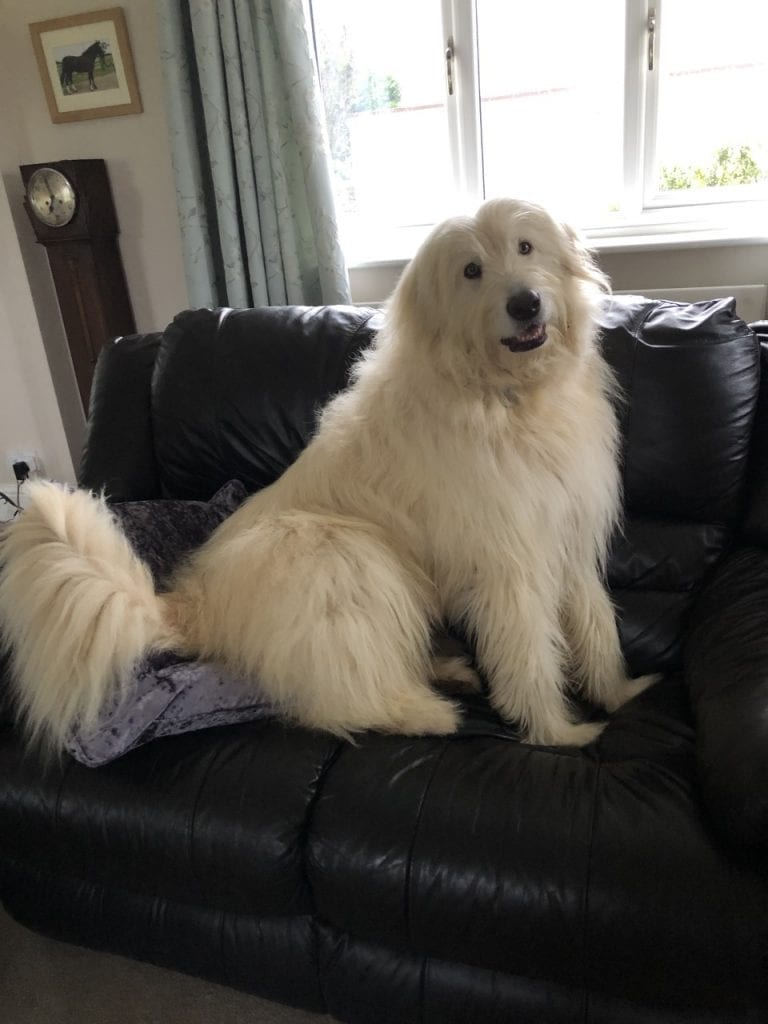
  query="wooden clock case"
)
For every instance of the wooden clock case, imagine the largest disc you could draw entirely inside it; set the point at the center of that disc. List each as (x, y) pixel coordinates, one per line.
(86, 266)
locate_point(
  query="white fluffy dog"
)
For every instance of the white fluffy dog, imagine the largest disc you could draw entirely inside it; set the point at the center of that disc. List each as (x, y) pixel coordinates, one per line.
(468, 474)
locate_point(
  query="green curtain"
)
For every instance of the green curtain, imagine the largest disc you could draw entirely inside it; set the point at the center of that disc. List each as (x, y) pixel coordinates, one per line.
(249, 154)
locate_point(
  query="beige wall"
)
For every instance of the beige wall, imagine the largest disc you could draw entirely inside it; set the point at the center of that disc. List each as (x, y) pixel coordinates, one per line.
(29, 414)
(137, 153)
(682, 268)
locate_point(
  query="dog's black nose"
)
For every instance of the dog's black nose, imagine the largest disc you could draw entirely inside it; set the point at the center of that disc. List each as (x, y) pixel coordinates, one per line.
(524, 305)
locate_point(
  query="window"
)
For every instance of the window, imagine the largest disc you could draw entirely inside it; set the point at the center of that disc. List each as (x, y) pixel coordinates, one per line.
(386, 111)
(710, 131)
(551, 80)
(626, 117)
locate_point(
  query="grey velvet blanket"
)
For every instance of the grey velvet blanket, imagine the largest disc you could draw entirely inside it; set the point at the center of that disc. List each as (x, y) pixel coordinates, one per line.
(167, 695)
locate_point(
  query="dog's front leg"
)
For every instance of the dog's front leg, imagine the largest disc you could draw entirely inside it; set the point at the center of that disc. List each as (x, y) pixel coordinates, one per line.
(520, 650)
(589, 624)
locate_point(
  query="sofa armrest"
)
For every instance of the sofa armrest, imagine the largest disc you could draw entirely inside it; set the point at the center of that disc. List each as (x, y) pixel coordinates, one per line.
(726, 668)
(7, 716)
(6, 707)
(119, 450)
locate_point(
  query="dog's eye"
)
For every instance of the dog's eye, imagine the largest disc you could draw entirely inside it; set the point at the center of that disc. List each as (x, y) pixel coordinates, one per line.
(473, 271)
(524, 247)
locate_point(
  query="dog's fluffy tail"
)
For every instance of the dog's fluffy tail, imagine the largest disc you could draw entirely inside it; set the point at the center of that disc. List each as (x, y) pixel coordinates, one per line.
(77, 609)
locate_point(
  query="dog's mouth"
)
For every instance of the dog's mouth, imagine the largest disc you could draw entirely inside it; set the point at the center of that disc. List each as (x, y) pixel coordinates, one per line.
(532, 337)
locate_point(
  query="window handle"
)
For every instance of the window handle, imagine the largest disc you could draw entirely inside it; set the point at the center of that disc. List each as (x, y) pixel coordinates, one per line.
(449, 64)
(651, 38)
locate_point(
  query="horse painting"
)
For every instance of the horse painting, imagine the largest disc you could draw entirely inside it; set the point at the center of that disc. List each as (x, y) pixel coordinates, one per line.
(84, 62)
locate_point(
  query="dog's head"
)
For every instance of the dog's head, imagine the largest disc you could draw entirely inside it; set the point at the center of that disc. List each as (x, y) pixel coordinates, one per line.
(500, 296)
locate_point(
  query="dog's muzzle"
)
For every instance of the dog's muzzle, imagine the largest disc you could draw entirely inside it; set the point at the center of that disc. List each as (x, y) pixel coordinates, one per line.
(525, 308)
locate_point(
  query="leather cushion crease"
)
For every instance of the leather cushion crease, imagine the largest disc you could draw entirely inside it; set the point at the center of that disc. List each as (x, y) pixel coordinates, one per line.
(236, 393)
(459, 880)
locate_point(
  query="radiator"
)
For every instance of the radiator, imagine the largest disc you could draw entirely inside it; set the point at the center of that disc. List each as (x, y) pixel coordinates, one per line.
(750, 298)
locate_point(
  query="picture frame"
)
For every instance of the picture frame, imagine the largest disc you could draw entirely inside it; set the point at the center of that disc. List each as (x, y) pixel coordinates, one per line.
(86, 65)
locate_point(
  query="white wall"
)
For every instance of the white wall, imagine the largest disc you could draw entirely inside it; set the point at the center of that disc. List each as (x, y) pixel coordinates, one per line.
(137, 154)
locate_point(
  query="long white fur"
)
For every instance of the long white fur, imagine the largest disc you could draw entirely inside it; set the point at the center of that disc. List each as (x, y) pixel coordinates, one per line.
(76, 605)
(455, 479)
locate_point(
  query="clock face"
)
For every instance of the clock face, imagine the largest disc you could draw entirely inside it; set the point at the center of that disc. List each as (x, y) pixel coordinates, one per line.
(51, 197)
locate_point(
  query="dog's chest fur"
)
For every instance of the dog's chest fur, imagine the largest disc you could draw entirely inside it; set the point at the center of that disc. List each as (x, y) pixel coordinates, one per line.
(479, 481)
(464, 486)
(534, 489)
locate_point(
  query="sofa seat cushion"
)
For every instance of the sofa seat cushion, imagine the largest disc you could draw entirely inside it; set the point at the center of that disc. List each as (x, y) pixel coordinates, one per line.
(589, 870)
(215, 818)
(541, 863)
(272, 956)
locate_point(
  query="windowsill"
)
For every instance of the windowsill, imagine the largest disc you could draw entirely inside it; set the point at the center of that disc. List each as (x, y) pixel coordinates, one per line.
(678, 236)
(748, 225)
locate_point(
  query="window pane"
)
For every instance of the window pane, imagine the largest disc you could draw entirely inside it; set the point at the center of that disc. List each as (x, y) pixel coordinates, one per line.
(382, 75)
(551, 86)
(713, 80)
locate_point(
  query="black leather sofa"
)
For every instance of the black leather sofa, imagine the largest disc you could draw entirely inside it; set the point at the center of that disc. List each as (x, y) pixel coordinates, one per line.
(462, 880)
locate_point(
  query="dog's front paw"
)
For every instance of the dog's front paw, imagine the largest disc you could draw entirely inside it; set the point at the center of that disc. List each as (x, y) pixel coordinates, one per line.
(627, 689)
(565, 734)
(455, 672)
(424, 715)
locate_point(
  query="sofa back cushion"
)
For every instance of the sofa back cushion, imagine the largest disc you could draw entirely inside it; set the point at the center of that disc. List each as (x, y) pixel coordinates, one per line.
(236, 393)
(689, 375)
(755, 529)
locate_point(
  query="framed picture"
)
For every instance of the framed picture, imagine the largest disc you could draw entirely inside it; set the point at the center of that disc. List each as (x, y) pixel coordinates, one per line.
(86, 65)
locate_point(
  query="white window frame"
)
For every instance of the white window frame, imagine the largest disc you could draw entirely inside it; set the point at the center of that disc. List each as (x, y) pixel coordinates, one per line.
(463, 101)
(647, 218)
(640, 92)
(692, 206)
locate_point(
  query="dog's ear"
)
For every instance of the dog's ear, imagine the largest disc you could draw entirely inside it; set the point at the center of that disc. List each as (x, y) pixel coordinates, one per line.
(406, 303)
(579, 261)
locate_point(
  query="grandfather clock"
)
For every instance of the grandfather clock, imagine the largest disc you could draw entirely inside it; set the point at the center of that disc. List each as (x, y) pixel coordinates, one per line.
(70, 205)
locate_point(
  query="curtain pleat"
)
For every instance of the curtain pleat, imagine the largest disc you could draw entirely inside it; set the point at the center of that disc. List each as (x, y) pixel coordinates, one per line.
(250, 154)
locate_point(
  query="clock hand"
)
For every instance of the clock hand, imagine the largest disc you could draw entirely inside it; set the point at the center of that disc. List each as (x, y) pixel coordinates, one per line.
(50, 190)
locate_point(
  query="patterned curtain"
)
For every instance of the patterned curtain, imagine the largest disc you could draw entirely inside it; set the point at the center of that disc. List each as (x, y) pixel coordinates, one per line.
(249, 154)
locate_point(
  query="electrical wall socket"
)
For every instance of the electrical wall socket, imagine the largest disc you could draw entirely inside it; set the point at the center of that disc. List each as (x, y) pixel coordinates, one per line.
(28, 455)
(10, 486)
